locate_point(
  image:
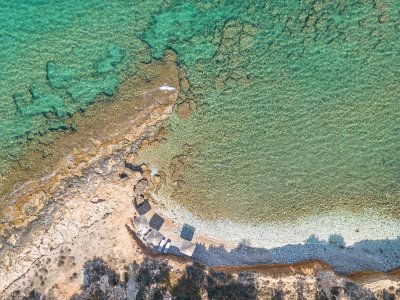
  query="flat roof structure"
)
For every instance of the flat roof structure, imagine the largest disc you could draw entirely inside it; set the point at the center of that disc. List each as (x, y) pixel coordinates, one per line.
(187, 232)
(188, 248)
(140, 222)
(144, 207)
(156, 221)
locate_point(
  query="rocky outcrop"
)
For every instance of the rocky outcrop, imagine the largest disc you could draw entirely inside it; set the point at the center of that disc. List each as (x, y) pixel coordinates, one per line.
(158, 279)
(186, 101)
(51, 226)
(178, 165)
(141, 187)
(99, 135)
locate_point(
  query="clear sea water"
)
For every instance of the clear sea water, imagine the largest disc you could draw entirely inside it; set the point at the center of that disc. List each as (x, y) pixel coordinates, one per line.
(57, 57)
(297, 101)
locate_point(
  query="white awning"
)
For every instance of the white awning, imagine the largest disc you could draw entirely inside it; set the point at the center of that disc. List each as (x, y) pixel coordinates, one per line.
(154, 237)
(187, 248)
(140, 222)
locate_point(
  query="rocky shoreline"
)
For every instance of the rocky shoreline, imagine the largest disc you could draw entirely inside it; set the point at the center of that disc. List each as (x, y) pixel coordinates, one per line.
(40, 218)
(66, 236)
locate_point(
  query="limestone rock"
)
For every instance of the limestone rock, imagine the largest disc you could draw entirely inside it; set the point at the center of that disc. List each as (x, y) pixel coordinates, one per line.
(139, 200)
(141, 187)
(131, 158)
(161, 133)
(184, 110)
(144, 167)
(145, 171)
(97, 199)
(13, 240)
(157, 180)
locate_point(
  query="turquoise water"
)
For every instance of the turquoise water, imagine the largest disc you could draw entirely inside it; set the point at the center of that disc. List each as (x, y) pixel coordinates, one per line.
(298, 107)
(57, 57)
(297, 101)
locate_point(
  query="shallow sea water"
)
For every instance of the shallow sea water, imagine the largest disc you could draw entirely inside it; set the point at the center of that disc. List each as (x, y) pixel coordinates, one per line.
(298, 108)
(57, 58)
(297, 102)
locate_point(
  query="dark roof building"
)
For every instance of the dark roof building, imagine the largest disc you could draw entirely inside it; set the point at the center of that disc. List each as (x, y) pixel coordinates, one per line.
(156, 222)
(187, 232)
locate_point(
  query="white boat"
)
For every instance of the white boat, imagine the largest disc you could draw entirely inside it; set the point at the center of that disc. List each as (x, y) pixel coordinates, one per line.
(166, 87)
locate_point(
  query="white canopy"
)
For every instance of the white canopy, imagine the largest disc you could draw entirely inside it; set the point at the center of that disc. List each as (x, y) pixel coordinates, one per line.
(140, 222)
(154, 237)
(188, 248)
